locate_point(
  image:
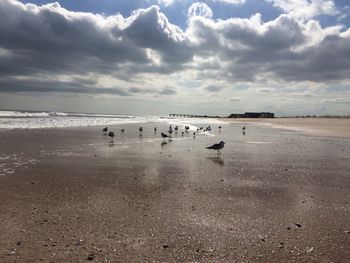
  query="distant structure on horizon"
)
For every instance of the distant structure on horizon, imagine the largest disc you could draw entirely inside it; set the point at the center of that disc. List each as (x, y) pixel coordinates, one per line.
(253, 115)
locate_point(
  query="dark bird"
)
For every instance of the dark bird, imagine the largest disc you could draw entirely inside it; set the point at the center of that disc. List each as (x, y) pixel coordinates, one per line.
(187, 128)
(217, 147)
(122, 130)
(176, 128)
(182, 133)
(219, 127)
(243, 128)
(170, 131)
(164, 136)
(155, 129)
(111, 134)
(140, 129)
(105, 129)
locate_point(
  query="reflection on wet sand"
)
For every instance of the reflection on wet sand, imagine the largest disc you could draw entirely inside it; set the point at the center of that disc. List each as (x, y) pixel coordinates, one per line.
(217, 160)
(111, 143)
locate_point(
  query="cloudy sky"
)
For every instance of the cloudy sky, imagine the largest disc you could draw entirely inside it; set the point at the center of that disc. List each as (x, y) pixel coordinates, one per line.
(164, 56)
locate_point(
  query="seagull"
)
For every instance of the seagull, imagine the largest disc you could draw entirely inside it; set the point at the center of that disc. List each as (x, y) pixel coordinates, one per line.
(111, 134)
(165, 136)
(217, 147)
(140, 129)
(105, 129)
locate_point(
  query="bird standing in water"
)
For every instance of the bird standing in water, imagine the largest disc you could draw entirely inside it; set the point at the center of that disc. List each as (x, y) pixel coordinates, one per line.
(217, 147)
(164, 136)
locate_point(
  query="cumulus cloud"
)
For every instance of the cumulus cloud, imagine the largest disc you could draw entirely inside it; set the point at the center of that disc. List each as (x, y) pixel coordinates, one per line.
(125, 55)
(199, 9)
(306, 9)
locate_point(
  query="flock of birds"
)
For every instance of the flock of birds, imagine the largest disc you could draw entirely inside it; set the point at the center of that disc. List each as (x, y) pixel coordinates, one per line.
(217, 146)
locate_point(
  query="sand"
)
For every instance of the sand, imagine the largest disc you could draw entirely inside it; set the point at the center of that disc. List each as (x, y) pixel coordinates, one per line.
(331, 127)
(272, 196)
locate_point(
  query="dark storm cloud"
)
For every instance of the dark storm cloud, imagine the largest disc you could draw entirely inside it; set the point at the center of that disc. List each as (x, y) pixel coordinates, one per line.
(47, 86)
(50, 38)
(52, 41)
(282, 49)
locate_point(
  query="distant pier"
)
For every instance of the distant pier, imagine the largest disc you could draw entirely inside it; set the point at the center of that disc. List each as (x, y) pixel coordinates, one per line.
(180, 115)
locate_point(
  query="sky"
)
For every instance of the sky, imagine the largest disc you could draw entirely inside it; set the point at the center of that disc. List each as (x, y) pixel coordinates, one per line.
(155, 57)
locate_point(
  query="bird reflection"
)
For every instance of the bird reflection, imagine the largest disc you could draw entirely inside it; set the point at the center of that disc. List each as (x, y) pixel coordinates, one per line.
(111, 143)
(218, 160)
(243, 133)
(163, 143)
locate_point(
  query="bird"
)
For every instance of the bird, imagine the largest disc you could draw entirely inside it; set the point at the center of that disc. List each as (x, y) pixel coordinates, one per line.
(217, 147)
(105, 129)
(170, 131)
(111, 134)
(165, 136)
(176, 128)
(220, 127)
(243, 128)
(122, 130)
(187, 128)
(140, 129)
(155, 129)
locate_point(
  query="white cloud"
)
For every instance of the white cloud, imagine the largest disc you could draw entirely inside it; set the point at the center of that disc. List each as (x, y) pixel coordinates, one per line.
(165, 2)
(306, 9)
(199, 9)
(235, 2)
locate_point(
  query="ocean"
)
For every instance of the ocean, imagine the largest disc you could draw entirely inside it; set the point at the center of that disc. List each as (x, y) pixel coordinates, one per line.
(47, 119)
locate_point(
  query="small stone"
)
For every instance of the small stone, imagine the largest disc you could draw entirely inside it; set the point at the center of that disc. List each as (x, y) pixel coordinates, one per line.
(91, 257)
(12, 252)
(18, 243)
(347, 232)
(298, 225)
(288, 228)
(165, 246)
(310, 250)
(78, 242)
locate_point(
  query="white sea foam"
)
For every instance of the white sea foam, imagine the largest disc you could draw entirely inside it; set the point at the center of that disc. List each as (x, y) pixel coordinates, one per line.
(39, 120)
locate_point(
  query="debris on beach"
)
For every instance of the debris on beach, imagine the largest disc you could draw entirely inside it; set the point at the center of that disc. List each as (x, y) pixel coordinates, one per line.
(298, 225)
(91, 257)
(165, 246)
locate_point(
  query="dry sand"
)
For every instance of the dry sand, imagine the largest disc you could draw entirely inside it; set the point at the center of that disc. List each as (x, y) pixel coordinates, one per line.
(271, 196)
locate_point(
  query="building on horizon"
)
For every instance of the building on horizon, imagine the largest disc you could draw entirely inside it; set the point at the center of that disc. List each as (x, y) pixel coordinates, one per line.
(252, 115)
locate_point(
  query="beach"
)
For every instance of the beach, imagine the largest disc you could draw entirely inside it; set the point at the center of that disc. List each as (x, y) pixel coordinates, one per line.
(277, 193)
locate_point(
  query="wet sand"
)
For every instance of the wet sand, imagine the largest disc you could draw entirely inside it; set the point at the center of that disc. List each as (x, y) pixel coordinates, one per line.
(331, 127)
(272, 196)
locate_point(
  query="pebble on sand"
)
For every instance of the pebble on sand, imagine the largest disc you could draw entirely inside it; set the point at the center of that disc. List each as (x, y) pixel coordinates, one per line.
(91, 257)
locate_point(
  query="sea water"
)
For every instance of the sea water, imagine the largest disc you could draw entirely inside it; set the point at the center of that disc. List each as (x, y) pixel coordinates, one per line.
(42, 120)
